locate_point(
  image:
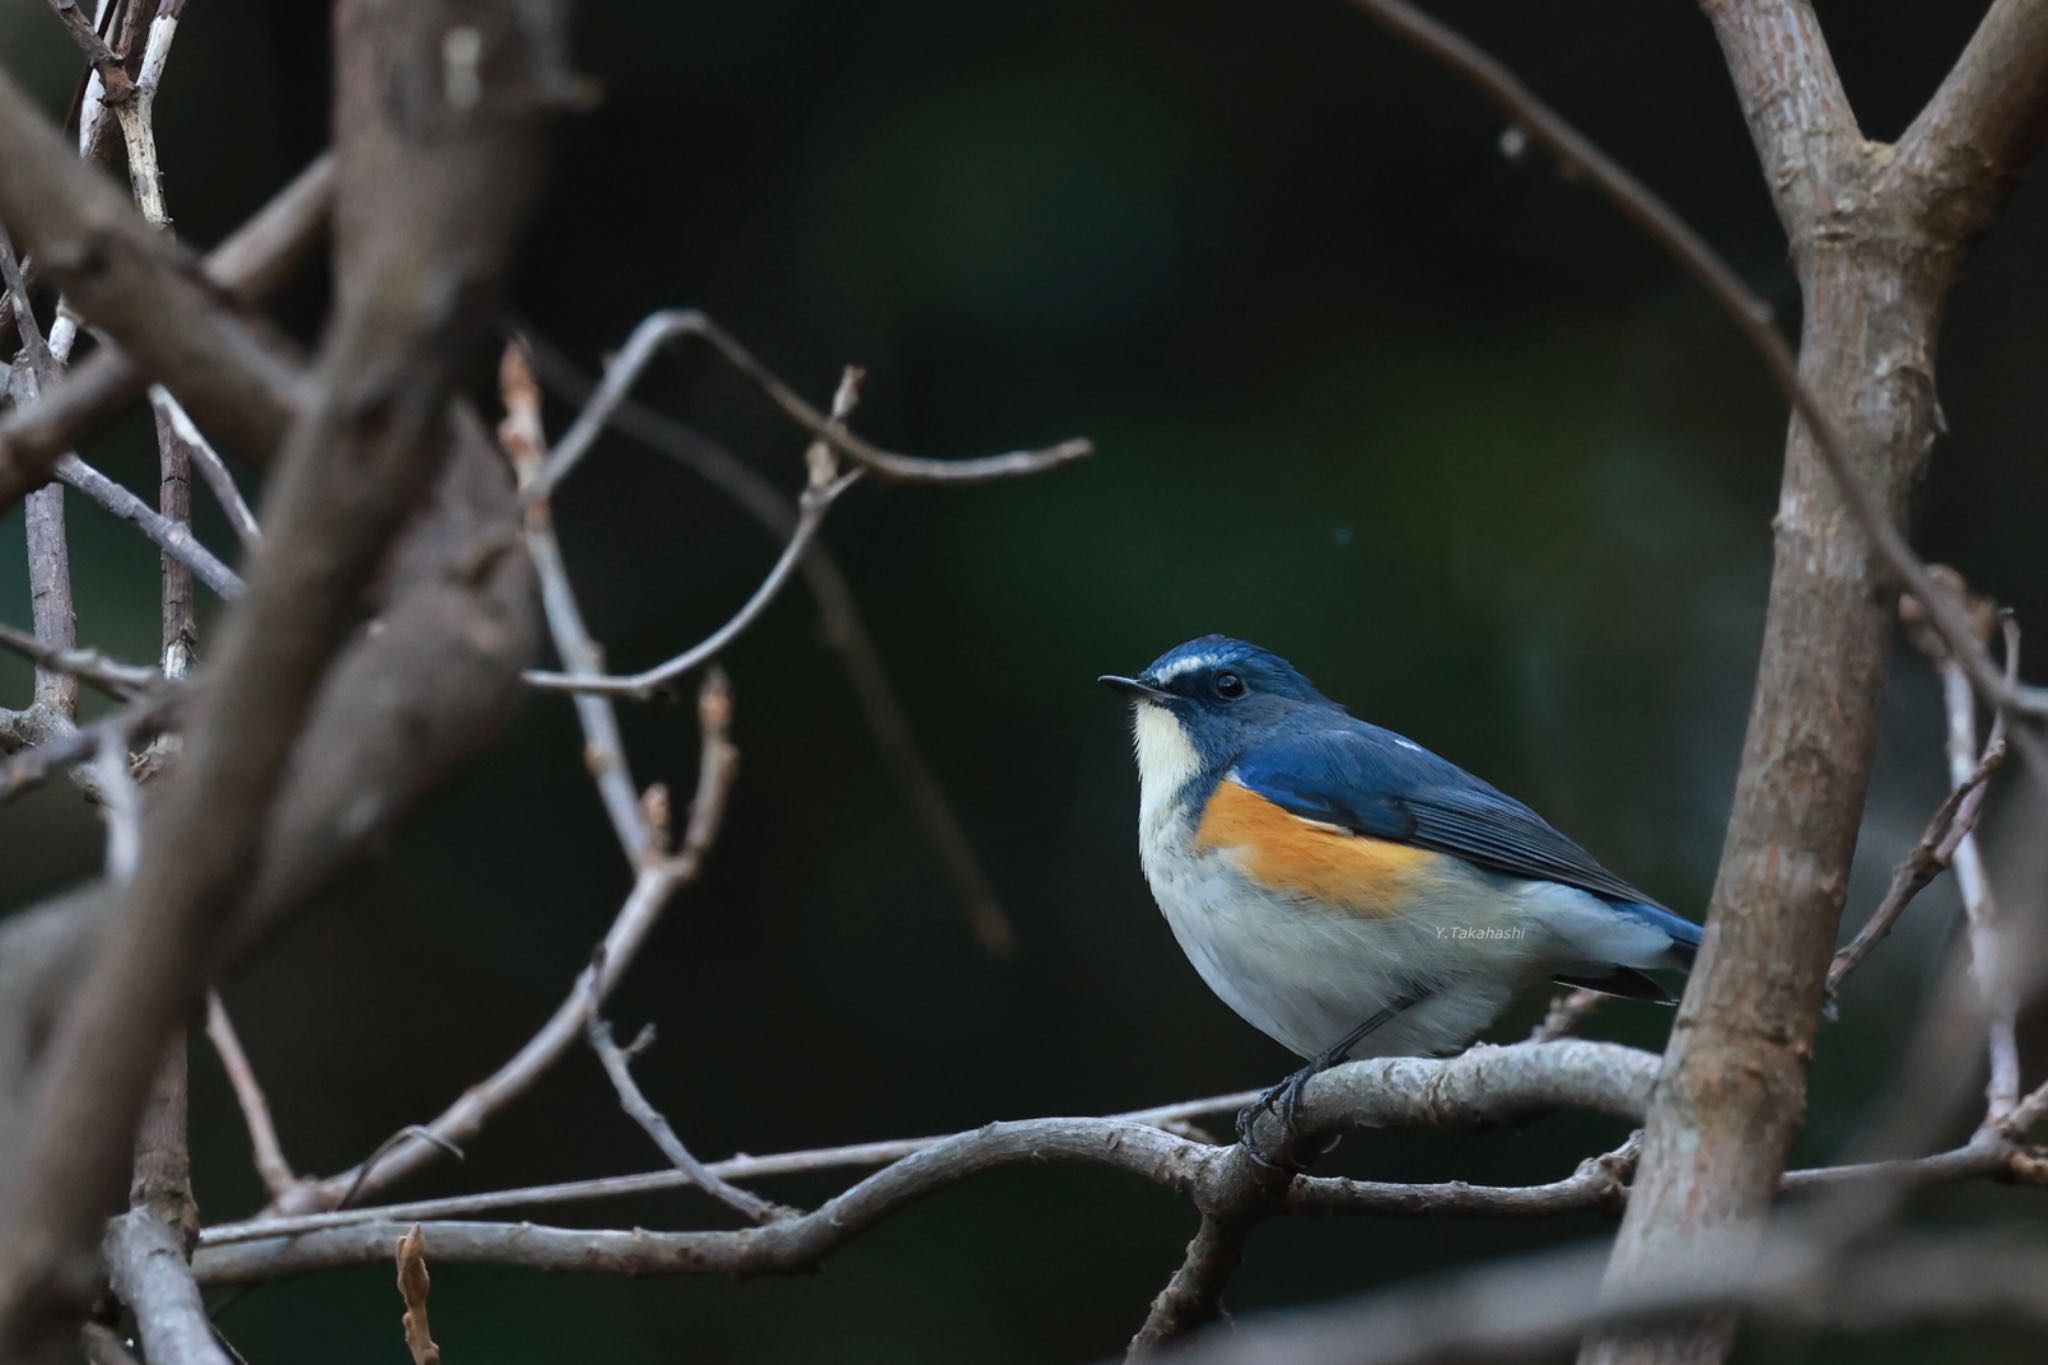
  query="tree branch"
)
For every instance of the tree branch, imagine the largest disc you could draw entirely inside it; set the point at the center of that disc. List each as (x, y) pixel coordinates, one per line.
(1793, 101)
(617, 1062)
(369, 440)
(844, 629)
(659, 329)
(169, 534)
(1485, 1085)
(265, 1149)
(1966, 152)
(147, 292)
(658, 879)
(257, 258)
(1736, 1069)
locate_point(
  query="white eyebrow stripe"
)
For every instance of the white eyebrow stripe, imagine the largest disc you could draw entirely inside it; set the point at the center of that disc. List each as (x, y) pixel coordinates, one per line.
(1181, 667)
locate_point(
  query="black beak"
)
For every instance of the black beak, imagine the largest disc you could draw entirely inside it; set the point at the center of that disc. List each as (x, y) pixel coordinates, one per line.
(1137, 689)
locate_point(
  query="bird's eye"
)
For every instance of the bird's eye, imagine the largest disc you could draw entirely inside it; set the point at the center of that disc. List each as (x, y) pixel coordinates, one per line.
(1229, 686)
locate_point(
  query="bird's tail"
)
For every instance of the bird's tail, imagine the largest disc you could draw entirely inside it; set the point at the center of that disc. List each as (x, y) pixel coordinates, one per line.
(1684, 934)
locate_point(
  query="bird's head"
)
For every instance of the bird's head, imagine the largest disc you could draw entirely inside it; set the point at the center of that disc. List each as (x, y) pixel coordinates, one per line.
(1201, 704)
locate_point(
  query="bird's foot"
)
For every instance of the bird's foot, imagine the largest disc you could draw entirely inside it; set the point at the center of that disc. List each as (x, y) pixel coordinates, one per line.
(1282, 1153)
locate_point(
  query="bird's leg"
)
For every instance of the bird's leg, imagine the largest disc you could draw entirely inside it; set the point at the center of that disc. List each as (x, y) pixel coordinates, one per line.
(1283, 1099)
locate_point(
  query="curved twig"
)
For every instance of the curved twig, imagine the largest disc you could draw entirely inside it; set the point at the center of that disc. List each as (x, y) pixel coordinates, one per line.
(658, 880)
(816, 503)
(659, 329)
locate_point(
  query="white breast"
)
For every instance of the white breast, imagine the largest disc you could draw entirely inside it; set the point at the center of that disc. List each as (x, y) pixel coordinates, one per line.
(1303, 975)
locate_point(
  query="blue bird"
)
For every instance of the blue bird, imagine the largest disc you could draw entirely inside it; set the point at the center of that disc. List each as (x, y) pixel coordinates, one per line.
(1348, 892)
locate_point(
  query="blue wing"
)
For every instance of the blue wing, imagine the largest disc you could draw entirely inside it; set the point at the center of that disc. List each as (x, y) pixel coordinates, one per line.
(1373, 782)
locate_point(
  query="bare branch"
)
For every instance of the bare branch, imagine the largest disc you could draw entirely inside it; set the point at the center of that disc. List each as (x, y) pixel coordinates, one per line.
(1966, 152)
(106, 64)
(1596, 1186)
(1988, 939)
(659, 329)
(148, 1248)
(604, 750)
(265, 1149)
(207, 460)
(1172, 1118)
(1956, 816)
(147, 1263)
(619, 1067)
(844, 630)
(137, 284)
(1484, 1085)
(88, 665)
(1581, 159)
(1193, 1297)
(49, 552)
(816, 502)
(143, 718)
(658, 880)
(824, 487)
(174, 538)
(1792, 100)
(426, 219)
(260, 255)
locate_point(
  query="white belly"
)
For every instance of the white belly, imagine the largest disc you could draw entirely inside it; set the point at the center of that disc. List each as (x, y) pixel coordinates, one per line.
(1306, 976)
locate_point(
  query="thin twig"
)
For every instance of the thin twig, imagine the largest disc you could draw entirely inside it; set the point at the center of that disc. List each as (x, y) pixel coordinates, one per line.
(105, 62)
(173, 538)
(888, 720)
(659, 329)
(618, 1066)
(264, 1147)
(145, 717)
(657, 882)
(210, 465)
(1988, 962)
(1581, 159)
(604, 749)
(1951, 823)
(111, 676)
(816, 502)
(49, 551)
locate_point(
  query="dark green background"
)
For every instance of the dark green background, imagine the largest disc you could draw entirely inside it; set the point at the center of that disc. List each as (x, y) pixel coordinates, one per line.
(1434, 425)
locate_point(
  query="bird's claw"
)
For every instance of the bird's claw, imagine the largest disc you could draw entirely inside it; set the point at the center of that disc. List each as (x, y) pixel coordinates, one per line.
(1281, 1101)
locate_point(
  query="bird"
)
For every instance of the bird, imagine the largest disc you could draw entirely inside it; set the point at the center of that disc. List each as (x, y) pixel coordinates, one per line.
(1350, 893)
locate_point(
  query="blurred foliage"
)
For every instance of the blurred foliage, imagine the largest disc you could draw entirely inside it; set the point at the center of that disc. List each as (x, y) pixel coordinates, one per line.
(1433, 424)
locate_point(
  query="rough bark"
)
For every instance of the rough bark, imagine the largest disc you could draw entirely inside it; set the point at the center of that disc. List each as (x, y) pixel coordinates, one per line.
(1877, 234)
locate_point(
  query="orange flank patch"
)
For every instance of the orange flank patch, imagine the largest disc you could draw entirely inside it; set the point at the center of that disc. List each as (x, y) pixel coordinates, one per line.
(1347, 872)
